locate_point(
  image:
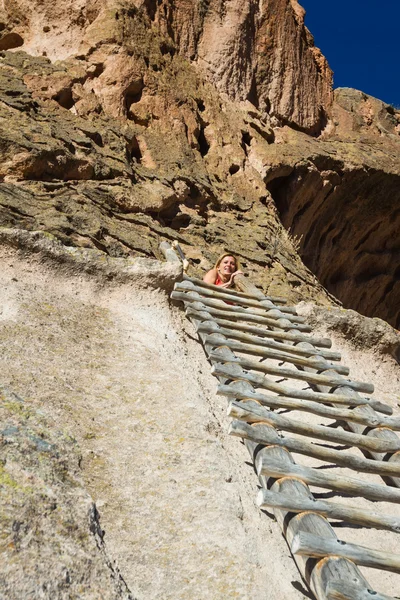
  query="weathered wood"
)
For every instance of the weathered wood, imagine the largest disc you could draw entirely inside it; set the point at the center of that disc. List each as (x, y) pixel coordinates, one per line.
(270, 318)
(210, 286)
(199, 310)
(212, 326)
(175, 245)
(169, 253)
(275, 324)
(337, 483)
(346, 590)
(223, 294)
(267, 435)
(264, 352)
(332, 510)
(310, 521)
(315, 575)
(308, 544)
(257, 294)
(315, 408)
(330, 379)
(252, 411)
(235, 371)
(379, 432)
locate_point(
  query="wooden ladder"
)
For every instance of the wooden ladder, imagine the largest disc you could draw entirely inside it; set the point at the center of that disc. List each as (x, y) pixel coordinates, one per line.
(256, 344)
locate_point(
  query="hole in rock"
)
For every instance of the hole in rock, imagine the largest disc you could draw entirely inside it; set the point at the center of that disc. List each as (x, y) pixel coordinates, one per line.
(246, 141)
(166, 48)
(11, 40)
(350, 233)
(200, 105)
(246, 138)
(133, 151)
(95, 70)
(203, 144)
(252, 96)
(133, 94)
(95, 137)
(267, 134)
(64, 98)
(172, 217)
(233, 169)
(181, 221)
(150, 8)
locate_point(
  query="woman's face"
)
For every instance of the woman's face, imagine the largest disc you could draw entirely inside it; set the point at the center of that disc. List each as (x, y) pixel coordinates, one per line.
(227, 265)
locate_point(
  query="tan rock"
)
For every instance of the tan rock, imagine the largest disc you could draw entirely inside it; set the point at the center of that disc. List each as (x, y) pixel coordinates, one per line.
(248, 50)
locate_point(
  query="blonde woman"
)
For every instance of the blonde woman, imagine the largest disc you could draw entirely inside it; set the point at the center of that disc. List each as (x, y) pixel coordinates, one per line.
(224, 272)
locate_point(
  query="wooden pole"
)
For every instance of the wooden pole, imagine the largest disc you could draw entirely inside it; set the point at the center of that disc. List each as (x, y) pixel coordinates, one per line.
(292, 335)
(225, 295)
(264, 352)
(332, 510)
(307, 544)
(208, 326)
(348, 485)
(175, 245)
(253, 412)
(258, 295)
(271, 317)
(169, 253)
(314, 407)
(346, 590)
(317, 575)
(234, 371)
(378, 432)
(269, 436)
(332, 379)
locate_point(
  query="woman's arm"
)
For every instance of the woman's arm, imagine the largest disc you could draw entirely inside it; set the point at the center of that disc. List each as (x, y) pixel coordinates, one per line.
(231, 281)
(211, 276)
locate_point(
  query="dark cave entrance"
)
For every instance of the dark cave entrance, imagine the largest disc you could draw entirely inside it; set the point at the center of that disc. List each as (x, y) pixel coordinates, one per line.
(349, 232)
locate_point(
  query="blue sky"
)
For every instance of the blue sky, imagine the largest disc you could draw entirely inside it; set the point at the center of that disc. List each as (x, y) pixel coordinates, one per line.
(360, 39)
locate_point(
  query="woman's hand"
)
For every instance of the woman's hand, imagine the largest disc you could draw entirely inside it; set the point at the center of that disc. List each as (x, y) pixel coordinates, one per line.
(231, 279)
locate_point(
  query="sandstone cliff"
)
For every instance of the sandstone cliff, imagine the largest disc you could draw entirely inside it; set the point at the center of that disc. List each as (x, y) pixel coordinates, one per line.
(147, 121)
(210, 122)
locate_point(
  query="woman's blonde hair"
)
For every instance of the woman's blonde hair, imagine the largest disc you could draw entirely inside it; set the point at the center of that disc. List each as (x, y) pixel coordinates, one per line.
(221, 258)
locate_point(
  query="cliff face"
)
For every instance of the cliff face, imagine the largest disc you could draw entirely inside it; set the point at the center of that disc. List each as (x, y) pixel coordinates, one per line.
(344, 205)
(126, 123)
(123, 124)
(253, 51)
(132, 142)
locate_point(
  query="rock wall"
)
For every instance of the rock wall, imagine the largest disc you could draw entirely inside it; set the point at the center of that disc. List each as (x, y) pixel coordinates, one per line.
(118, 478)
(166, 121)
(254, 51)
(175, 161)
(344, 205)
(123, 124)
(114, 453)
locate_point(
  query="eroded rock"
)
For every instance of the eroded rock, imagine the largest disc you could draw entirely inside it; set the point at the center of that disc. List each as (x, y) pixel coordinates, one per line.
(51, 539)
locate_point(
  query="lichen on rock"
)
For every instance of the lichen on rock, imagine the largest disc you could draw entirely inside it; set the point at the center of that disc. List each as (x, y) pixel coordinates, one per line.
(51, 539)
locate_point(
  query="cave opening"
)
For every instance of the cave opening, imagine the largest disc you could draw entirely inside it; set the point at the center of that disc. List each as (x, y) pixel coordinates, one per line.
(204, 146)
(64, 98)
(133, 151)
(349, 227)
(133, 94)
